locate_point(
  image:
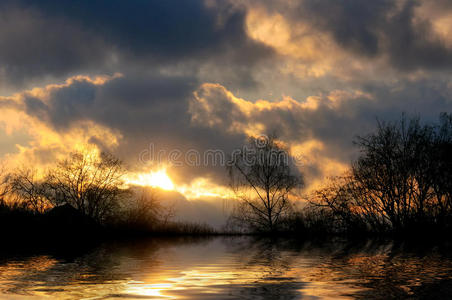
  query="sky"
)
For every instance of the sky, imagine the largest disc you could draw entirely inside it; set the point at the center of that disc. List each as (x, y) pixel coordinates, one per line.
(134, 77)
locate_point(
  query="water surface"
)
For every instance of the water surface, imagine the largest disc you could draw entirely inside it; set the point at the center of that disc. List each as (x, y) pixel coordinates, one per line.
(230, 268)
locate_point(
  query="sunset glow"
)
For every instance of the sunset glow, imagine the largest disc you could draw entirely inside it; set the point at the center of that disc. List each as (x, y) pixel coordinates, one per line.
(225, 149)
(198, 189)
(158, 179)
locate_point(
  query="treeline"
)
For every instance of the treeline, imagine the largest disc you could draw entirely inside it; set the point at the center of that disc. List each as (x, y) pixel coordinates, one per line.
(84, 194)
(400, 184)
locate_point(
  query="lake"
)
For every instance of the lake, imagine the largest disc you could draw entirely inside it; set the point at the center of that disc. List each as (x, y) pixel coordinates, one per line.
(229, 268)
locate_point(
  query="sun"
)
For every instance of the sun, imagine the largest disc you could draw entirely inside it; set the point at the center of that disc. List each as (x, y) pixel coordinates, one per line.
(158, 179)
(161, 179)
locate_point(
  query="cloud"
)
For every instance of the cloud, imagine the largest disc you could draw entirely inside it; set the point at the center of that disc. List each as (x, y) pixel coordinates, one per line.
(406, 34)
(320, 128)
(33, 46)
(173, 113)
(121, 114)
(31, 118)
(47, 39)
(203, 75)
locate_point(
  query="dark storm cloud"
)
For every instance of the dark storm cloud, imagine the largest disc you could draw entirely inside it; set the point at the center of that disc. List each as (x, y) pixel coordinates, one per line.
(56, 38)
(337, 126)
(145, 108)
(31, 46)
(71, 103)
(381, 27)
(128, 103)
(167, 29)
(167, 49)
(155, 109)
(353, 24)
(335, 123)
(388, 28)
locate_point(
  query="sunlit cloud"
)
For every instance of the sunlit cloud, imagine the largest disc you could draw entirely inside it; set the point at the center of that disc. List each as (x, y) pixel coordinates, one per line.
(200, 188)
(300, 42)
(157, 179)
(44, 144)
(215, 106)
(203, 188)
(315, 73)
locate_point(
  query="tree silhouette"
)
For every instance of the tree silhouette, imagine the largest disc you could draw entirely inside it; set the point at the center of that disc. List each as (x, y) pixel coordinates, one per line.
(31, 192)
(401, 181)
(261, 178)
(90, 183)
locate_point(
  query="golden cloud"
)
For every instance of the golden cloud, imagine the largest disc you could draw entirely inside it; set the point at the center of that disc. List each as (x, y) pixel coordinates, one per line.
(46, 144)
(214, 106)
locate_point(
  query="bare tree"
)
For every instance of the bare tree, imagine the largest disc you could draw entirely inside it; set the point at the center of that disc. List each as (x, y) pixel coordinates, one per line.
(349, 205)
(262, 179)
(392, 171)
(90, 183)
(5, 186)
(30, 191)
(142, 208)
(401, 180)
(441, 170)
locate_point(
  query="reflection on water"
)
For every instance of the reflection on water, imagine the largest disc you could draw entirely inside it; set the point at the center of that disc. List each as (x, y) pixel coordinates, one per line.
(231, 268)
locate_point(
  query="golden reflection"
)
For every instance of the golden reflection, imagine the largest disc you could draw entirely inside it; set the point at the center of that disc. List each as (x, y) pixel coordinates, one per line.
(148, 290)
(18, 268)
(225, 269)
